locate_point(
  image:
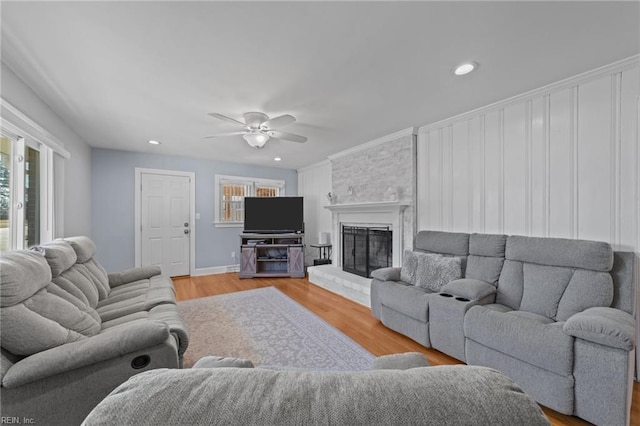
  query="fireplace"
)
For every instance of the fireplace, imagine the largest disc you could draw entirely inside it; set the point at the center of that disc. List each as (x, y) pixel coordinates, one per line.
(365, 249)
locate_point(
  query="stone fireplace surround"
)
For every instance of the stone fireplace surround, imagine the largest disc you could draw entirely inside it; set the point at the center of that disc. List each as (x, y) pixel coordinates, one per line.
(386, 213)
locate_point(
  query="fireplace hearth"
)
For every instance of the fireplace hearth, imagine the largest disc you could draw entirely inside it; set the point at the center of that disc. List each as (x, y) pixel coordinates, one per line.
(365, 249)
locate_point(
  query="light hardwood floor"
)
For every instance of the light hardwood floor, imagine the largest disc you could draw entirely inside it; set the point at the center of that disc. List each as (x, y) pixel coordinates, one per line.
(351, 318)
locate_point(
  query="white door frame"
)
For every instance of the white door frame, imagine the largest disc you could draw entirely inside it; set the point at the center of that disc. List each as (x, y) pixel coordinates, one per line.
(192, 212)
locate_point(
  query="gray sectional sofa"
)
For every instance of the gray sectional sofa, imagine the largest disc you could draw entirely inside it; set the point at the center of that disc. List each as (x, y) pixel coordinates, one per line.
(71, 333)
(553, 314)
(398, 391)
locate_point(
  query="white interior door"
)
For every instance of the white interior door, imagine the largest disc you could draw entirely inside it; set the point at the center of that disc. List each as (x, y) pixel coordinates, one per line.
(164, 222)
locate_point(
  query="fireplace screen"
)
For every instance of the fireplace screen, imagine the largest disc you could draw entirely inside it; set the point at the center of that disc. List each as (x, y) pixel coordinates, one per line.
(365, 249)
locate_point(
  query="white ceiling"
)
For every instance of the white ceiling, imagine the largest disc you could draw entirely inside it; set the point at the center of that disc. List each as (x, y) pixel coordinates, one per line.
(121, 73)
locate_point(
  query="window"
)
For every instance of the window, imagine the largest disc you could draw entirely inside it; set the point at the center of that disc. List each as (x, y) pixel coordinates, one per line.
(231, 190)
(25, 203)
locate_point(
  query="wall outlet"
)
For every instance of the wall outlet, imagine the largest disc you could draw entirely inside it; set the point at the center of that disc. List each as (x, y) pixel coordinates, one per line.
(233, 255)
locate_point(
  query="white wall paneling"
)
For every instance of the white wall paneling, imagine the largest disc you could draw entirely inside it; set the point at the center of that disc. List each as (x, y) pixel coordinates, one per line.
(560, 161)
(314, 182)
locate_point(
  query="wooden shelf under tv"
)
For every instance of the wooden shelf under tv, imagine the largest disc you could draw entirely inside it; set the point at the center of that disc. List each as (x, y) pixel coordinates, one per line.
(271, 255)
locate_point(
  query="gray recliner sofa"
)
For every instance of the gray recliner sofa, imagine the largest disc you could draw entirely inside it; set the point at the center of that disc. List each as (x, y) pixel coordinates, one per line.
(553, 314)
(400, 390)
(71, 333)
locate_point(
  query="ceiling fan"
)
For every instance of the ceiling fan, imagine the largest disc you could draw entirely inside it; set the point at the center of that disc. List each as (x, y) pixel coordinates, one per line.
(258, 128)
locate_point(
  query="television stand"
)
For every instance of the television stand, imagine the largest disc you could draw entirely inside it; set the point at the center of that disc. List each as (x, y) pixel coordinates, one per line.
(271, 255)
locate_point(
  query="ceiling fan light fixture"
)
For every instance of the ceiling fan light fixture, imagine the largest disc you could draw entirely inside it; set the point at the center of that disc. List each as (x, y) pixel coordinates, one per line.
(256, 139)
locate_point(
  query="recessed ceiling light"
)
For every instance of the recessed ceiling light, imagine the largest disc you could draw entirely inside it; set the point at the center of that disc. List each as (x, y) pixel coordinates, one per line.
(277, 159)
(152, 142)
(465, 68)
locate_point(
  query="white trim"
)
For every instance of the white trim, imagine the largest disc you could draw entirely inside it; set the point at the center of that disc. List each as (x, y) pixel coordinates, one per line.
(322, 163)
(382, 206)
(215, 270)
(229, 224)
(192, 211)
(18, 123)
(17, 195)
(613, 68)
(388, 213)
(251, 180)
(47, 211)
(384, 139)
(241, 180)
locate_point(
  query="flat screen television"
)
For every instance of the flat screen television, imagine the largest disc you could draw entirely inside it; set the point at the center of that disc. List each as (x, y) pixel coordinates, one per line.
(273, 215)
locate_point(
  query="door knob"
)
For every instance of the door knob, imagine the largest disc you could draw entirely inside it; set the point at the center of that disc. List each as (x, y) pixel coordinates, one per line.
(186, 224)
(186, 231)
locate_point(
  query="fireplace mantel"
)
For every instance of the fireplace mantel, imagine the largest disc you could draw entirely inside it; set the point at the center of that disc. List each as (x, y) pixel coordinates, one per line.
(382, 206)
(387, 213)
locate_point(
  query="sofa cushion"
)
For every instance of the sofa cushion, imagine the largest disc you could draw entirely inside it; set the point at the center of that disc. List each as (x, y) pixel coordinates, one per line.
(543, 288)
(41, 320)
(533, 317)
(92, 270)
(429, 271)
(442, 395)
(409, 270)
(587, 289)
(487, 245)
(60, 256)
(83, 246)
(591, 255)
(510, 285)
(74, 277)
(528, 339)
(53, 288)
(22, 274)
(410, 300)
(484, 268)
(96, 272)
(452, 243)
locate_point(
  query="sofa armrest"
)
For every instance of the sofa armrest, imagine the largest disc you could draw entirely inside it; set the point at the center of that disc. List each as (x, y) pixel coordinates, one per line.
(403, 361)
(118, 341)
(606, 326)
(133, 274)
(386, 274)
(469, 288)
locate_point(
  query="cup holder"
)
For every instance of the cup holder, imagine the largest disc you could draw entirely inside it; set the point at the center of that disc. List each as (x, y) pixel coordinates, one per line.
(140, 362)
(445, 295)
(462, 299)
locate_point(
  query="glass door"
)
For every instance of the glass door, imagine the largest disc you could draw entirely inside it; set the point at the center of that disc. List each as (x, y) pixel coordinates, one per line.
(23, 175)
(5, 193)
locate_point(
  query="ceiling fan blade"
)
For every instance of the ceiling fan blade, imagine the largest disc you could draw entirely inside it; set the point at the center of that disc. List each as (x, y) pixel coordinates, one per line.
(277, 122)
(225, 134)
(255, 119)
(287, 136)
(225, 118)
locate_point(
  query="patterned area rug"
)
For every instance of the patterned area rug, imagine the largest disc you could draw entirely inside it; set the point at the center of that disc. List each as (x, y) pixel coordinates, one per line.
(267, 327)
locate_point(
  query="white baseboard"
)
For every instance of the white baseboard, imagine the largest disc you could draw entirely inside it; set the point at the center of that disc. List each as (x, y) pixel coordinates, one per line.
(216, 270)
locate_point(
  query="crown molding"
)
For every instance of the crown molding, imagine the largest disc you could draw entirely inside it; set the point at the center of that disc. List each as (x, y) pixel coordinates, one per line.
(317, 165)
(19, 124)
(613, 68)
(389, 138)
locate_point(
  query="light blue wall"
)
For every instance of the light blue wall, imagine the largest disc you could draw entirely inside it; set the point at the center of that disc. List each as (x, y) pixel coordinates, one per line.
(113, 176)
